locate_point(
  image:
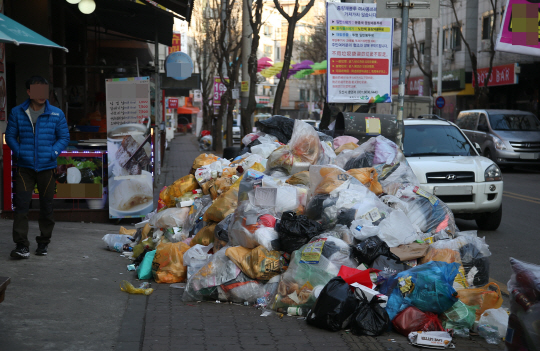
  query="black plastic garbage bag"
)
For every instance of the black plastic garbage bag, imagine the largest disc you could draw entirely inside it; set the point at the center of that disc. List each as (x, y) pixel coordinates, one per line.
(279, 126)
(296, 230)
(371, 248)
(315, 207)
(345, 216)
(334, 307)
(390, 265)
(370, 318)
(363, 160)
(472, 257)
(222, 228)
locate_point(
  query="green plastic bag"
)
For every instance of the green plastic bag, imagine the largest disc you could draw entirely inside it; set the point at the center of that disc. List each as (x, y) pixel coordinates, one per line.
(145, 268)
(460, 317)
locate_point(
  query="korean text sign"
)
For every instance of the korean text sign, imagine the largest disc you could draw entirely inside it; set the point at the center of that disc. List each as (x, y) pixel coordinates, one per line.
(219, 90)
(128, 100)
(359, 51)
(520, 31)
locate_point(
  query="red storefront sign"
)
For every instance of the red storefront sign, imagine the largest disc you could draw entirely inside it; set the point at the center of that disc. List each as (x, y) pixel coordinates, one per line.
(500, 75)
(172, 103)
(412, 85)
(175, 43)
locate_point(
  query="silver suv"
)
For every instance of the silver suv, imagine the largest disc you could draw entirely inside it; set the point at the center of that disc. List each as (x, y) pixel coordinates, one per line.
(507, 137)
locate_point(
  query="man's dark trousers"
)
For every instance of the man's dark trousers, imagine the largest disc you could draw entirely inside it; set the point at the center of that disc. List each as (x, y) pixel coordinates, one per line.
(46, 183)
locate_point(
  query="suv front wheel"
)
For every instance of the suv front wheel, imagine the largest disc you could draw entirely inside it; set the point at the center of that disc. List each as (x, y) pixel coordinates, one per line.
(489, 221)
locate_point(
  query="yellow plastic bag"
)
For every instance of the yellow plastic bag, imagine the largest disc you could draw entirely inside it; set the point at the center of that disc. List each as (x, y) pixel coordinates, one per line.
(348, 146)
(203, 160)
(257, 263)
(127, 231)
(177, 189)
(299, 178)
(484, 297)
(368, 177)
(223, 206)
(129, 288)
(145, 231)
(332, 178)
(168, 264)
(205, 236)
(139, 248)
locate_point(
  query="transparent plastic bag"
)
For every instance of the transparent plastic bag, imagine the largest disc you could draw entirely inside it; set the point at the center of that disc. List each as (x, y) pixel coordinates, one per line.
(116, 242)
(247, 219)
(460, 317)
(497, 318)
(170, 217)
(196, 257)
(203, 285)
(425, 210)
(305, 143)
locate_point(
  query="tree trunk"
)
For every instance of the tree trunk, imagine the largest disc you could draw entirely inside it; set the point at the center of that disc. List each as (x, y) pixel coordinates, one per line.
(285, 70)
(230, 117)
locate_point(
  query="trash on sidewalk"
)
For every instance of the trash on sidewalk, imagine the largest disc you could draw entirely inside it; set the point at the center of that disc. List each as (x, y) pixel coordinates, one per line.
(432, 339)
(129, 288)
(346, 241)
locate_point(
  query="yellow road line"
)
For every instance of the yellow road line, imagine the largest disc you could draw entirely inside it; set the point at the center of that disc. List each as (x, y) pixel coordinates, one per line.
(520, 198)
(504, 288)
(515, 194)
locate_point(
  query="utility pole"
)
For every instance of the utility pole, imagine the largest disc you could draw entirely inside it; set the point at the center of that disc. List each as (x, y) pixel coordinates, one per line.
(427, 56)
(439, 68)
(157, 114)
(402, 68)
(247, 32)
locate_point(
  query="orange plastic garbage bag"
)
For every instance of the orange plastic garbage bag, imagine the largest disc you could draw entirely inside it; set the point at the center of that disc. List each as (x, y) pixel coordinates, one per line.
(257, 263)
(368, 177)
(488, 296)
(168, 264)
(205, 236)
(177, 189)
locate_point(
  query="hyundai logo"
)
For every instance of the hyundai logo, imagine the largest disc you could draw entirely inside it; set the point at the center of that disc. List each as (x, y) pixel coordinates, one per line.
(527, 145)
(451, 177)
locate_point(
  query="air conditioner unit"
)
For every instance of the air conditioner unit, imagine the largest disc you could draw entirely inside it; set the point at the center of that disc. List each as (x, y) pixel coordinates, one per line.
(449, 55)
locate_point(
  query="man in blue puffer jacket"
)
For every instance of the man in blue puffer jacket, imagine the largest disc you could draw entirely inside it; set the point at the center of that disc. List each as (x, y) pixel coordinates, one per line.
(36, 133)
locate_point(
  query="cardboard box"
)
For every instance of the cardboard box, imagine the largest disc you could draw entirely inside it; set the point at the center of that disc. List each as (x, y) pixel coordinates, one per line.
(79, 191)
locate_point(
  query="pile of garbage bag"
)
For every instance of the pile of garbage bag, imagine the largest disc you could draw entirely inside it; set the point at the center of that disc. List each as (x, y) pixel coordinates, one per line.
(339, 233)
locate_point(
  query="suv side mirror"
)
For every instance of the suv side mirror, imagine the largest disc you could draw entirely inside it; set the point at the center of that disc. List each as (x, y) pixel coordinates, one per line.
(478, 148)
(483, 128)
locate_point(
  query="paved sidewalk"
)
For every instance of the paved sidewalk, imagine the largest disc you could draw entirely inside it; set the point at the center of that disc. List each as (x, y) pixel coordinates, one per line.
(170, 324)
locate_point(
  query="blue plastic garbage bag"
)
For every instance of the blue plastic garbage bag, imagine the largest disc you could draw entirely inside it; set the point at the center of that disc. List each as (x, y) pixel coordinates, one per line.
(430, 288)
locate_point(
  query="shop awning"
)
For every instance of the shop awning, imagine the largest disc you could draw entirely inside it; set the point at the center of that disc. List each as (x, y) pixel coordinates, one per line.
(181, 7)
(187, 110)
(469, 90)
(13, 32)
(136, 20)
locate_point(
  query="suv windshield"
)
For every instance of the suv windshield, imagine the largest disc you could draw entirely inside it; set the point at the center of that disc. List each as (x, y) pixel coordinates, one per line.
(514, 122)
(435, 140)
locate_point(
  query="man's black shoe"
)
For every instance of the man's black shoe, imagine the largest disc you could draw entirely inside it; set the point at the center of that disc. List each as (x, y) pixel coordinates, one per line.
(41, 250)
(20, 251)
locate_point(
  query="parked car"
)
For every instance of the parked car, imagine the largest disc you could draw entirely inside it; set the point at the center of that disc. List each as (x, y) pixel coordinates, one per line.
(449, 166)
(507, 137)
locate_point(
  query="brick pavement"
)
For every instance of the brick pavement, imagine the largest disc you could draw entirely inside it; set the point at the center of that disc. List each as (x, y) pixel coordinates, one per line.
(170, 324)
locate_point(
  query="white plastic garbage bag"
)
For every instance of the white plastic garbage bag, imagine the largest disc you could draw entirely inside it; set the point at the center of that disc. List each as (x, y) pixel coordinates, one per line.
(196, 257)
(496, 318)
(115, 242)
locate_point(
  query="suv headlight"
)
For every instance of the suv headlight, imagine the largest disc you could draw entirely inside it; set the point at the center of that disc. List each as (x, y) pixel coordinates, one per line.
(499, 145)
(492, 173)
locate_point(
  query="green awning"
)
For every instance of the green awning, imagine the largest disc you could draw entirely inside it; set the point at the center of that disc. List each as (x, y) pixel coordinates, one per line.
(14, 32)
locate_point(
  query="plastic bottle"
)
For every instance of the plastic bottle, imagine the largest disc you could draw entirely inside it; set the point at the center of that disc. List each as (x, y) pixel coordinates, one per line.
(521, 299)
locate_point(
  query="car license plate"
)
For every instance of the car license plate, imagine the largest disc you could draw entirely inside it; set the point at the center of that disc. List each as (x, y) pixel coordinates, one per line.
(453, 190)
(529, 156)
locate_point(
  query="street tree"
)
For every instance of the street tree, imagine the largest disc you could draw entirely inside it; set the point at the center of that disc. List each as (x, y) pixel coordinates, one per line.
(417, 56)
(227, 39)
(255, 22)
(292, 19)
(205, 61)
(480, 92)
(314, 49)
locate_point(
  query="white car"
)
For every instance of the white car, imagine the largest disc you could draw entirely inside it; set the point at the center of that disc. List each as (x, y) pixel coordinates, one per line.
(449, 166)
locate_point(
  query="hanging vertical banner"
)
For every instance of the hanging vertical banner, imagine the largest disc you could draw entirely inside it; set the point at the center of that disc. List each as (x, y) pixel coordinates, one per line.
(129, 147)
(219, 90)
(359, 54)
(176, 43)
(520, 28)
